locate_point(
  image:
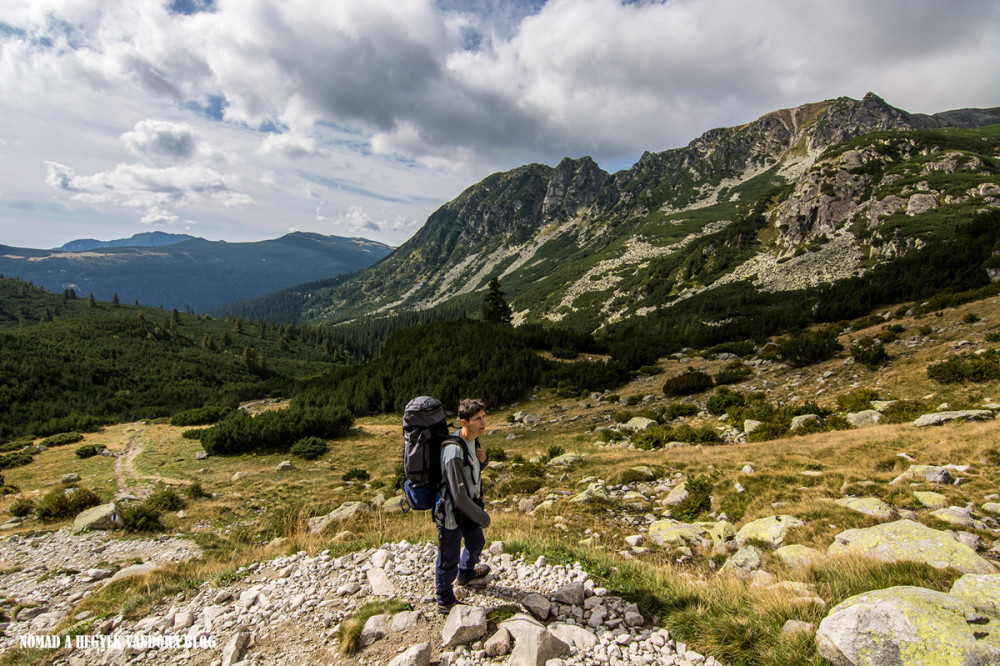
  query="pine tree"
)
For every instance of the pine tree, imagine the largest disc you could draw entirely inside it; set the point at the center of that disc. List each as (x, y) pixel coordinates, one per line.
(496, 310)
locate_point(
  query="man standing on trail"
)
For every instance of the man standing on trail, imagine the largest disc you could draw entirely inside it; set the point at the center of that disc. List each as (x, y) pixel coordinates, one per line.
(459, 513)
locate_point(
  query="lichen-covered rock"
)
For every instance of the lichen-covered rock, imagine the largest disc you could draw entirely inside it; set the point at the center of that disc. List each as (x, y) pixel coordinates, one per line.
(869, 506)
(566, 460)
(804, 420)
(924, 473)
(743, 563)
(594, 492)
(771, 530)
(796, 555)
(904, 626)
(907, 540)
(959, 515)
(677, 495)
(864, 419)
(939, 418)
(103, 517)
(982, 590)
(718, 535)
(931, 500)
(638, 423)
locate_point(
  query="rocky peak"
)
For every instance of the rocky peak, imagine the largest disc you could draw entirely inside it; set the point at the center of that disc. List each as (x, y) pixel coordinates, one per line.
(847, 118)
(575, 185)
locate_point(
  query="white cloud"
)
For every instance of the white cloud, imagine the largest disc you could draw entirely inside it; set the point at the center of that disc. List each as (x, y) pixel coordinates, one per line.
(411, 101)
(157, 216)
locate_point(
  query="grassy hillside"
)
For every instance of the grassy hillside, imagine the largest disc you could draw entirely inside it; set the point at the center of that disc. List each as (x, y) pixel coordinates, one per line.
(798, 475)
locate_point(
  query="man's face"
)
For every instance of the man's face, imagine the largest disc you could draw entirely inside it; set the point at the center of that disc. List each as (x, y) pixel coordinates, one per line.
(476, 426)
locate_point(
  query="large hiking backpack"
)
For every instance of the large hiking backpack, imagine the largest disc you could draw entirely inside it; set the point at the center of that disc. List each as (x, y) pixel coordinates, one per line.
(424, 428)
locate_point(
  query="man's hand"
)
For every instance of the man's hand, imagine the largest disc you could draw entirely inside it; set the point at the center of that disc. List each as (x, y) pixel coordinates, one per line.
(480, 455)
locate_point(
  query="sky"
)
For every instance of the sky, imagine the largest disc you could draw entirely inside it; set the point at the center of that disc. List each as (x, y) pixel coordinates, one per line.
(243, 120)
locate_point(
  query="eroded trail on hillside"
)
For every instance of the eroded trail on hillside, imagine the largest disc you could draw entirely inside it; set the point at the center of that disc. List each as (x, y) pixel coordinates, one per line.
(125, 465)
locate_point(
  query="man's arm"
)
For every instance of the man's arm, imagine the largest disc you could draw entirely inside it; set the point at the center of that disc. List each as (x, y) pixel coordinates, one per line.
(461, 495)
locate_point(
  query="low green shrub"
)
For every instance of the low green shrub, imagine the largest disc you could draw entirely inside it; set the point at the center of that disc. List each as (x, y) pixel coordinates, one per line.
(676, 410)
(86, 451)
(14, 459)
(810, 347)
(630, 476)
(310, 448)
(141, 518)
(768, 431)
(21, 507)
(195, 491)
(723, 399)
(496, 454)
(194, 433)
(528, 468)
(698, 501)
(60, 503)
(734, 373)
(62, 439)
(857, 400)
(967, 368)
(165, 500)
(206, 415)
(904, 411)
(870, 353)
(519, 486)
(691, 382)
(356, 475)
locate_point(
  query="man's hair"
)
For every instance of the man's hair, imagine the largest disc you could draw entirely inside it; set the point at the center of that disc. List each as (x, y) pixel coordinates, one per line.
(469, 407)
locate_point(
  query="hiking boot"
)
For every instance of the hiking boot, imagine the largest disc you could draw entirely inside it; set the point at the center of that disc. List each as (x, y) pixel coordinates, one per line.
(445, 609)
(479, 573)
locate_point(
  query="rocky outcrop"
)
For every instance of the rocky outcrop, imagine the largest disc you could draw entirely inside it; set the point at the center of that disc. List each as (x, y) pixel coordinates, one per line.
(907, 540)
(576, 185)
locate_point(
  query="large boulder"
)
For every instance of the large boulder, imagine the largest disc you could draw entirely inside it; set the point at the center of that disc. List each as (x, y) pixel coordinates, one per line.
(904, 626)
(938, 418)
(771, 530)
(982, 590)
(804, 421)
(869, 506)
(924, 474)
(566, 460)
(677, 495)
(594, 492)
(798, 556)
(907, 540)
(637, 423)
(103, 517)
(864, 419)
(464, 625)
(536, 648)
(418, 655)
(719, 535)
(343, 512)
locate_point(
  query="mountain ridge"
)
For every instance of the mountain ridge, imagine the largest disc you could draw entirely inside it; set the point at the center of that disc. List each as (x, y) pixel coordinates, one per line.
(197, 273)
(578, 245)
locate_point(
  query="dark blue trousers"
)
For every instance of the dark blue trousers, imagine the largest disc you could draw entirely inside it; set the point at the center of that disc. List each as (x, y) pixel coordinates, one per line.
(452, 560)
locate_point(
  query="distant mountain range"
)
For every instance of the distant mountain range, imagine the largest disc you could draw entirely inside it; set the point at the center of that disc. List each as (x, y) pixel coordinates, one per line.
(801, 198)
(179, 271)
(148, 239)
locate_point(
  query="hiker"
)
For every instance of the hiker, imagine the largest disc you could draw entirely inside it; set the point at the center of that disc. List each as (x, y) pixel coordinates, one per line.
(459, 513)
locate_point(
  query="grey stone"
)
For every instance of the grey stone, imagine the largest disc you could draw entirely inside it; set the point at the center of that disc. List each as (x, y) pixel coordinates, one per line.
(404, 621)
(927, 473)
(771, 530)
(417, 655)
(939, 418)
(537, 604)
(345, 511)
(864, 419)
(499, 644)
(103, 517)
(638, 423)
(200, 455)
(571, 593)
(234, 648)
(535, 649)
(567, 460)
(285, 466)
(903, 626)
(69, 478)
(375, 629)
(804, 420)
(750, 425)
(464, 625)
(579, 637)
(381, 584)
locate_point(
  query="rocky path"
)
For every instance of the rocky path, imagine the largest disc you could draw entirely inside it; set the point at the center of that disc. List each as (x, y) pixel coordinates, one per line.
(287, 611)
(125, 465)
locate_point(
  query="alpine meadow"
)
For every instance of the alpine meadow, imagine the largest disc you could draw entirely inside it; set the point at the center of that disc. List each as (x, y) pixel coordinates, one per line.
(741, 403)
